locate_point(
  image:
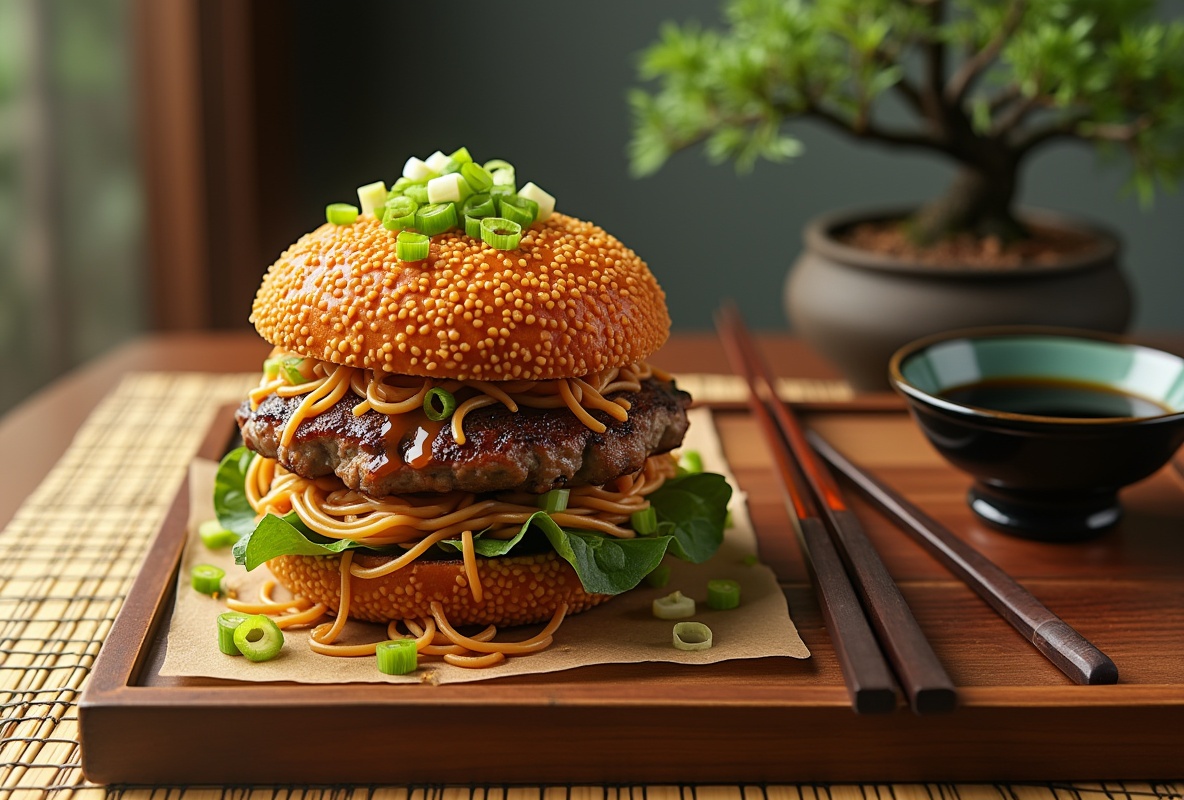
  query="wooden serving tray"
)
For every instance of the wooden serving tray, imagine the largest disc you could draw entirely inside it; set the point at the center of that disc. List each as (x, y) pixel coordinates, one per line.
(768, 720)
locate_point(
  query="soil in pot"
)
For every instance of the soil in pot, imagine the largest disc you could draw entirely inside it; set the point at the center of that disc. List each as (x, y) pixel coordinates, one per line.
(1044, 245)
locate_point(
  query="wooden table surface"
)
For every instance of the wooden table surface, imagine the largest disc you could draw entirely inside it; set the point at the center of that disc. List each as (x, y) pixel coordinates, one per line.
(1018, 713)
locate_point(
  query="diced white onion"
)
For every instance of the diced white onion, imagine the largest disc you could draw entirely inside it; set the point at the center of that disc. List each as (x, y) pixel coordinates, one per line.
(372, 196)
(437, 161)
(546, 202)
(417, 170)
(446, 188)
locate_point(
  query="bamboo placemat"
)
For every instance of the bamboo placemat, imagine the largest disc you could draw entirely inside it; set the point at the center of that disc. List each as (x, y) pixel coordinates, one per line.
(70, 554)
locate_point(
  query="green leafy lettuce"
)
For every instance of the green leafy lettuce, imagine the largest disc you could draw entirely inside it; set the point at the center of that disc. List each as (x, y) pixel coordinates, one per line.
(691, 512)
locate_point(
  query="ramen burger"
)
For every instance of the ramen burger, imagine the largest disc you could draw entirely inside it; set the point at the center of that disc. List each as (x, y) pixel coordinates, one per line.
(457, 425)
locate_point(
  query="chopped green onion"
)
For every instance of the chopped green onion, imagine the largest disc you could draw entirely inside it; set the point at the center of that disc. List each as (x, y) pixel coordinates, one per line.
(723, 594)
(341, 213)
(504, 176)
(692, 636)
(450, 188)
(477, 176)
(371, 197)
(479, 205)
(546, 202)
(228, 622)
(436, 162)
(691, 461)
(397, 657)
(294, 368)
(659, 576)
(418, 170)
(729, 523)
(417, 193)
(554, 501)
(645, 521)
(258, 638)
(497, 163)
(675, 605)
(500, 233)
(447, 404)
(207, 579)
(518, 209)
(399, 214)
(271, 369)
(435, 218)
(412, 246)
(497, 192)
(214, 536)
(473, 227)
(461, 156)
(751, 560)
(402, 185)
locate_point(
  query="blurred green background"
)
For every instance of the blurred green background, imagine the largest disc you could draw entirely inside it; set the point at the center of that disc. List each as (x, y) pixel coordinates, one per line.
(365, 84)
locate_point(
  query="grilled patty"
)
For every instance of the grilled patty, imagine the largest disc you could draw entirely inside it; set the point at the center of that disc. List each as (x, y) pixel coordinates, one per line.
(533, 450)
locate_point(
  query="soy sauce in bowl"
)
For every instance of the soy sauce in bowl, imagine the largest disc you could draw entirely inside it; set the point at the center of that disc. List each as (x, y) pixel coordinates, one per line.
(1052, 398)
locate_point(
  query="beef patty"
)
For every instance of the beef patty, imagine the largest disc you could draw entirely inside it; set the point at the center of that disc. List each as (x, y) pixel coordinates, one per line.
(533, 450)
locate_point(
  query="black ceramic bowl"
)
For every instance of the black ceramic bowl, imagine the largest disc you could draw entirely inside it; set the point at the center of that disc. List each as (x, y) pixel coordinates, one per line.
(1050, 423)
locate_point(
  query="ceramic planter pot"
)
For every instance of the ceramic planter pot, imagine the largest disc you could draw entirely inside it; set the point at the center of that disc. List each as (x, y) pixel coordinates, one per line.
(857, 307)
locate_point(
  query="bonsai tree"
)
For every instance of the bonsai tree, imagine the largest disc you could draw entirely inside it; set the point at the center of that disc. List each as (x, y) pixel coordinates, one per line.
(985, 83)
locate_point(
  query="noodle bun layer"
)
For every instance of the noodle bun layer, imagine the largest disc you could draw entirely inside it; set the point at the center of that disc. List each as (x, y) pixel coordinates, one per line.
(518, 590)
(569, 302)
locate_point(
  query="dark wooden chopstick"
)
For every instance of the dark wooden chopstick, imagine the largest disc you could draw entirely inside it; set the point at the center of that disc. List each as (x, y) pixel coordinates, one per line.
(866, 673)
(1071, 652)
(921, 675)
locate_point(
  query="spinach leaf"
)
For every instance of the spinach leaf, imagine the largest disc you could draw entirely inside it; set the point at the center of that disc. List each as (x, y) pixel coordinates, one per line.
(491, 548)
(274, 536)
(230, 497)
(692, 510)
(604, 564)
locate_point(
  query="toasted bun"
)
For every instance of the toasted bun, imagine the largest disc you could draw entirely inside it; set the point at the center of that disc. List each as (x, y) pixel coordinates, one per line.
(570, 301)
(517, 590)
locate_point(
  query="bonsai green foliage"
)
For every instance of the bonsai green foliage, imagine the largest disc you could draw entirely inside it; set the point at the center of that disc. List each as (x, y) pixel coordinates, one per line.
(985, 82)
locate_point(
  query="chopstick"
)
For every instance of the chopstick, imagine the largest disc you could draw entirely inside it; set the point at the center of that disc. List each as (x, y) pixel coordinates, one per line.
(1060, 643)
(921, 675)
(869, 680)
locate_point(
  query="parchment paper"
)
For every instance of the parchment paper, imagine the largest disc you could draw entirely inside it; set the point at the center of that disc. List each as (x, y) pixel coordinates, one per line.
(621, 631)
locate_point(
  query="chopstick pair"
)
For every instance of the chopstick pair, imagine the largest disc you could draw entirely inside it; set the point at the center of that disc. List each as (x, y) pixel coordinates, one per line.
(832, 538)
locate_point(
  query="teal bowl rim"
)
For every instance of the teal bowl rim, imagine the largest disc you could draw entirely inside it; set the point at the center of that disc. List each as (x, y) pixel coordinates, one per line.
(902, 385)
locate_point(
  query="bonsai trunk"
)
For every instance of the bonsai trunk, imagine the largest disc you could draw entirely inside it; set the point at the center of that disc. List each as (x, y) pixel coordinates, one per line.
(979, 201)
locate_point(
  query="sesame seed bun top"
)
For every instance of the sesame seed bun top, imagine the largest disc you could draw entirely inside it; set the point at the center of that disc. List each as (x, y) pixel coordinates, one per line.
(570, 301)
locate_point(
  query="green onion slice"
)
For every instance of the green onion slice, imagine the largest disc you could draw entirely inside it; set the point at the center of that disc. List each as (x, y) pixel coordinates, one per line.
(294, 369)
(497, 163)
(479, 205)
(461, 156)
(438, 404)
(692, 636)
(436, 162)
(477, 176)
(659, 576)
(371, 197)
(271, 369)
(645, 521)
(228, 623)
(341, 213)
(397, 657)
(258, 638)
(473, 227)
(417, 193)
(412, 246)
(503, 176)
(207, 579)
(675, 605)
(723, 594)
(500, 233)
(450, 188)
(435, 218)
(729, 522)
(400, 214)
(214, 536)
(751, 560)
(554, 500)
(417, 170)
(691, 462)
(497, 192)
(402, 185)
(518, 209)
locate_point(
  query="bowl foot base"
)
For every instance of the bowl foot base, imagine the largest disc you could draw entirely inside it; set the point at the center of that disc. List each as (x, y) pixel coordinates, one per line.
(1047, 517)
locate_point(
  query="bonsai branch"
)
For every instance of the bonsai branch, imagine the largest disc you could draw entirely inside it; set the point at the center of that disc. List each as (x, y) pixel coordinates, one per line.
(869, 130)
(963, 80)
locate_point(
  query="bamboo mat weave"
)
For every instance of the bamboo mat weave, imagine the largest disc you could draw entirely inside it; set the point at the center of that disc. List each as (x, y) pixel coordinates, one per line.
(71, 552)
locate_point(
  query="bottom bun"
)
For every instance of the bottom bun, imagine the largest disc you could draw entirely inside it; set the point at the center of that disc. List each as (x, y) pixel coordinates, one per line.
(517, 590)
